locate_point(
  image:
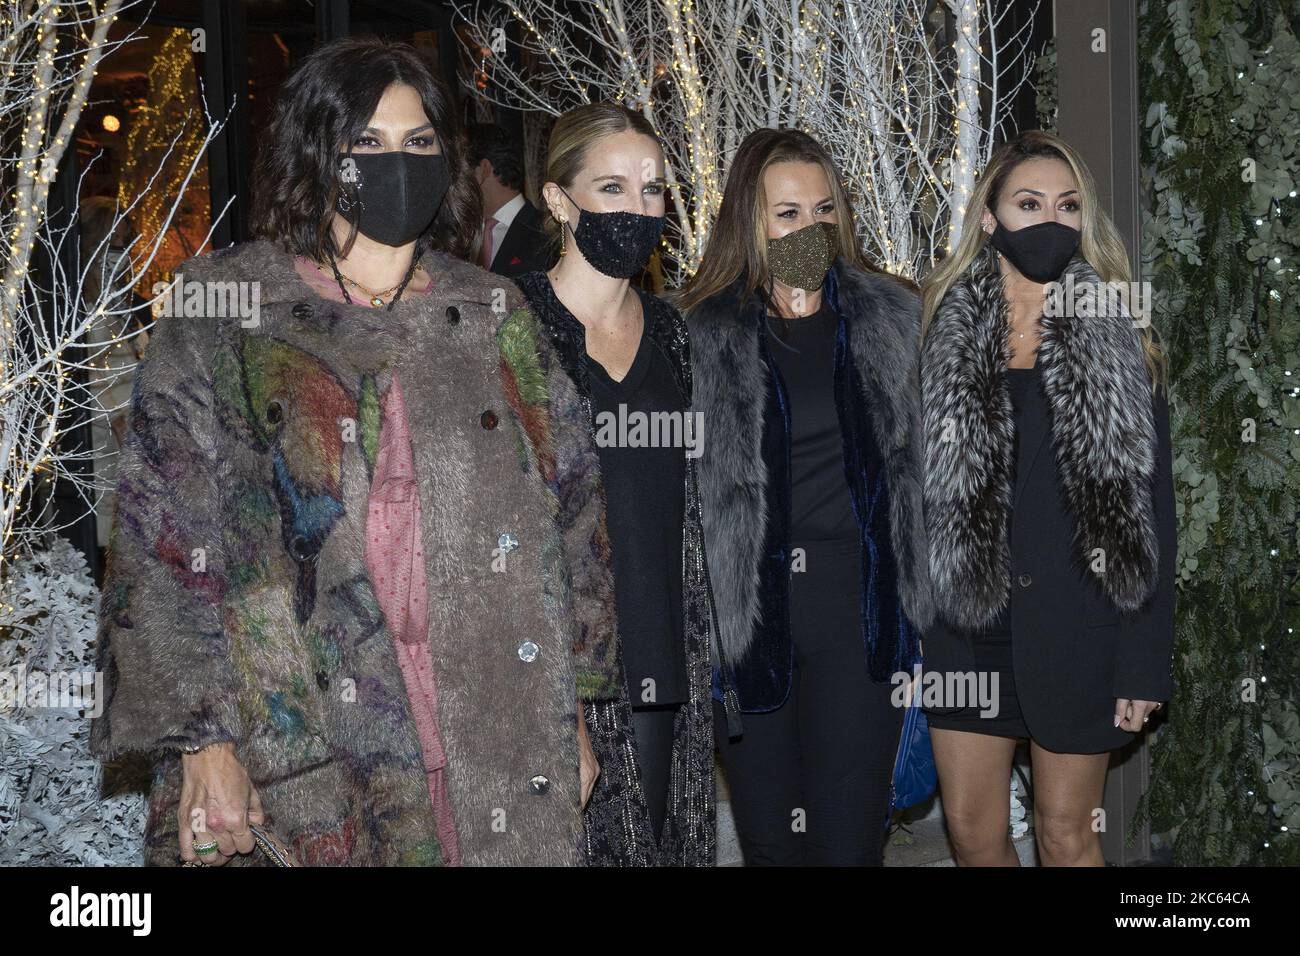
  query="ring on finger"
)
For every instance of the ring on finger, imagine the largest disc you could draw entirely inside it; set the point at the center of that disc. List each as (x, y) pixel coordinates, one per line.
(205, 849)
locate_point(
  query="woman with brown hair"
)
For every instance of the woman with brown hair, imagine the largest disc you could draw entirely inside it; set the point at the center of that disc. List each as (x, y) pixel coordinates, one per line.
(356, 586)
(1049, 504)
(629, 357)
(806, 374)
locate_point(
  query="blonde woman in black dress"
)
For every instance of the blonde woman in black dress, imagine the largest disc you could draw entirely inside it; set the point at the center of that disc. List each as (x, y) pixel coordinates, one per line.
(1049, 505)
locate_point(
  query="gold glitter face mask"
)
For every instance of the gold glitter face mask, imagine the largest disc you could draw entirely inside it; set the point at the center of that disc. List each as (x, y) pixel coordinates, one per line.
(802, 258)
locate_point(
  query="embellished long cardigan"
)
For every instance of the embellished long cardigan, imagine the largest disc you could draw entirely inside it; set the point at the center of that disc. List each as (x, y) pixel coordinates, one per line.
(745, 476)
(618, 827)
(237, 605)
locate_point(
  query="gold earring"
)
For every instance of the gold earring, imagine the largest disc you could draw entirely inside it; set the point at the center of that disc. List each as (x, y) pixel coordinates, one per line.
(564, 244)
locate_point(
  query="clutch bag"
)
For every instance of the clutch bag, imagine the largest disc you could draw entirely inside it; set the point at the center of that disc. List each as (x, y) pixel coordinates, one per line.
(268, 843)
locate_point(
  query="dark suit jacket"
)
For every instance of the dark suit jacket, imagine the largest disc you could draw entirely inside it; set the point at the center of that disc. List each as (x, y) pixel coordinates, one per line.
(1074, 652)
(525, 247)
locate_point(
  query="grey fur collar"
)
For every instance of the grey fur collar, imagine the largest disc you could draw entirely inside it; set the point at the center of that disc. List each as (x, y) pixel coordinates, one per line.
(730, 381)
(1103, 434)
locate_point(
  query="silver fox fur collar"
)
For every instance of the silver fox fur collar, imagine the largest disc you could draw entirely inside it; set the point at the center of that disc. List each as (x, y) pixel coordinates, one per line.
(1102, 430)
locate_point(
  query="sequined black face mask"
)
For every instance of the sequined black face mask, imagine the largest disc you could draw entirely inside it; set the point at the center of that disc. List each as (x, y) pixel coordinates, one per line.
(617, 244)
(802, 258)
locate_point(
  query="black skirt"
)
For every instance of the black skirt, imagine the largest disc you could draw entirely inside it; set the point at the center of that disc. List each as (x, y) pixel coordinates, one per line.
(993, 656)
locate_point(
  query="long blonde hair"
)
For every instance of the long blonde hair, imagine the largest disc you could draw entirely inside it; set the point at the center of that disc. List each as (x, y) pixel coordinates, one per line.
(1100, 244)
(572, 138)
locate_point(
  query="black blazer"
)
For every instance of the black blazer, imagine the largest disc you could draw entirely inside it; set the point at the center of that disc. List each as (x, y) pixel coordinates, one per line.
(1074, 652)
(525, 247)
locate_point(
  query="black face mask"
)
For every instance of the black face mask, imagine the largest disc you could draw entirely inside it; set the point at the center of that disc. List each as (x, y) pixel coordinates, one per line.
(398, 193)
(1041, 251)
(617, 244)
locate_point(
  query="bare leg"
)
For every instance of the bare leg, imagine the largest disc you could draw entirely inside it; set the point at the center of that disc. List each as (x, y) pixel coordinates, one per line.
(975, 784)
(1067, 793)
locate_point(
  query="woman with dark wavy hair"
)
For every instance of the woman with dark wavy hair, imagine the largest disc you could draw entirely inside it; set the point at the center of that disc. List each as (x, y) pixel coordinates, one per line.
(298, 180)
(357, 584)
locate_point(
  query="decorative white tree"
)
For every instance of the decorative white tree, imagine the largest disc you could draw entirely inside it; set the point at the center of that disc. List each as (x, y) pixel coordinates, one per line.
(65, 315)
(61, 328)
(892, 92)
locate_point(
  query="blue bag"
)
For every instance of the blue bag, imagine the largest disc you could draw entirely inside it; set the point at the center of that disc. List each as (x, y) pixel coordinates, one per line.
(915, 777)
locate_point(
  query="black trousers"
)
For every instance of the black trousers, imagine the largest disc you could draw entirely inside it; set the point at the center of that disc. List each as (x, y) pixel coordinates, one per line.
(653, 728)
(809, 782)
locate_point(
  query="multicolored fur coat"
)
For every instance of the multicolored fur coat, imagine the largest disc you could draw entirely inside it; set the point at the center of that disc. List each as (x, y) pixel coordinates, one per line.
(618, 827)
(237, 605)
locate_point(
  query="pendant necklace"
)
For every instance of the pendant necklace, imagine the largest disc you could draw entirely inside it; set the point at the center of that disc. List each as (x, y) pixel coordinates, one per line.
(376, 298)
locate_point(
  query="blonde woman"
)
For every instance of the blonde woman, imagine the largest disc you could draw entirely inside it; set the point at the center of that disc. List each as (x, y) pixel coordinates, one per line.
(1049, 506)
(628, 356)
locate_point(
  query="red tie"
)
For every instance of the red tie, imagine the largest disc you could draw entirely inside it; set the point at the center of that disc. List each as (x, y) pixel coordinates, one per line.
(485, 254)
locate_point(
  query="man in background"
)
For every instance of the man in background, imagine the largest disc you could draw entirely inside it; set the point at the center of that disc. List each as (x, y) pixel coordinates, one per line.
(512, 240)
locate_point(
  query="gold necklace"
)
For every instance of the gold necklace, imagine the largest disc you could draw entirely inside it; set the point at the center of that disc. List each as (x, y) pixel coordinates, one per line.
(376, 298)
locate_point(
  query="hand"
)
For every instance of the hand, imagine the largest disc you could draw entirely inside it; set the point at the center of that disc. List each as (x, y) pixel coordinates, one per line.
(218, 802)
(1131, 715)
(588, 768)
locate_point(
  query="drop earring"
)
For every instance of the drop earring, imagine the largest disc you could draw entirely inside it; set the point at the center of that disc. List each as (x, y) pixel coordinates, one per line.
(564, 243)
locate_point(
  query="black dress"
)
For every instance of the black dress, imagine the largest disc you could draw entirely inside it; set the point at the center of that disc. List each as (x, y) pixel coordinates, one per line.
(993, 648)
(645, 484)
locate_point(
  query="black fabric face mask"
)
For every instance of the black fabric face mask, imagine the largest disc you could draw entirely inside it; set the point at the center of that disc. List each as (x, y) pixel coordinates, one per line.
(1041, 251)
(617, 244)
(398, 193)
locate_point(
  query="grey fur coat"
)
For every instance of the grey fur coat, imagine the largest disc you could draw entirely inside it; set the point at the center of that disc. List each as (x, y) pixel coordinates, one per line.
(1103, 437)
(735, 389)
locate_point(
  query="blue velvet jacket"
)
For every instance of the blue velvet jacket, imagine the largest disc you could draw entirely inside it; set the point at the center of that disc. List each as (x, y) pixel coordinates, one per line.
(745, 476)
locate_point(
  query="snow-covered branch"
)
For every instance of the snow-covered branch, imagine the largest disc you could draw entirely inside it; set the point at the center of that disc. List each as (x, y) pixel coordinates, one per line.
(907, 101)
(72, 327)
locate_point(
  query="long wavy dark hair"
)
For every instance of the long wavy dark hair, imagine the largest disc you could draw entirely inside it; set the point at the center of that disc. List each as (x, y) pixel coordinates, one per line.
(324, 106)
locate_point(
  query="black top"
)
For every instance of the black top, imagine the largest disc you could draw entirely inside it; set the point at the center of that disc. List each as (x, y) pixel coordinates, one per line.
(619, 831)
(645, 489)
(1032, 423)
(804, 352)
(1031, 420)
